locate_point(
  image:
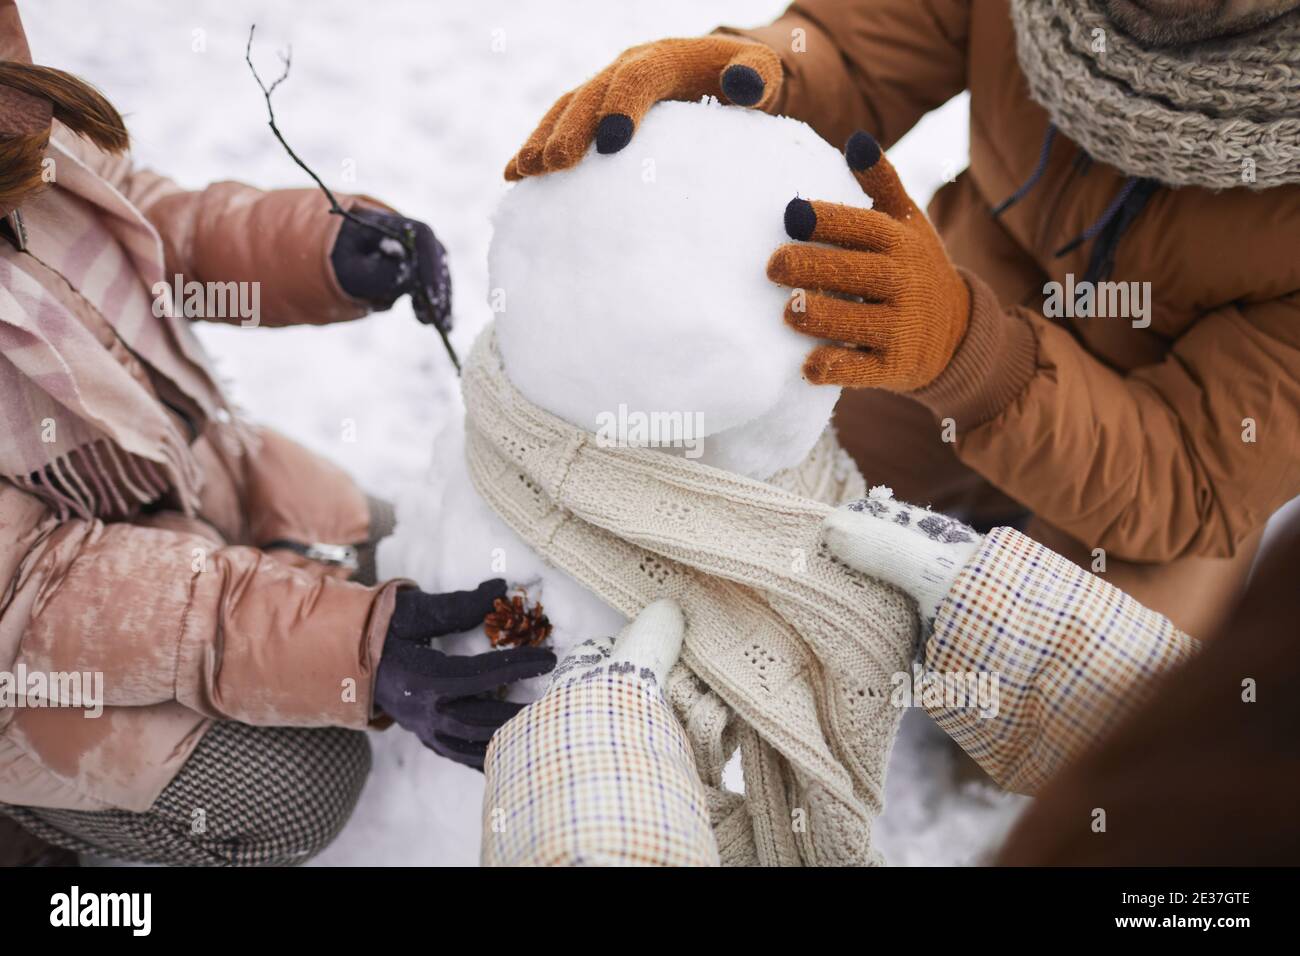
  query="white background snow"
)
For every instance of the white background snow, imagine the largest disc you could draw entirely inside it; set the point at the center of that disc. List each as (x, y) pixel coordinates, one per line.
(421, 104)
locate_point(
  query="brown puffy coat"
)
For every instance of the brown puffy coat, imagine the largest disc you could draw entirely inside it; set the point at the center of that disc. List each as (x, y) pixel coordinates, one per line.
(186, 619)
(1127, 439)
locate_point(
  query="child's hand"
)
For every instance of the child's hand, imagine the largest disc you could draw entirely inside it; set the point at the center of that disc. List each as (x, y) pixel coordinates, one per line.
(882, 290)
(374, 266)
(450, 702)
(599, 771)
(647, 648)
(914, 549)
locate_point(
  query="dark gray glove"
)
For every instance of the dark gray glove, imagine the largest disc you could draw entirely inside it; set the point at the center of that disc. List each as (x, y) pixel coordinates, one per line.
(448, 702)
(375, 267)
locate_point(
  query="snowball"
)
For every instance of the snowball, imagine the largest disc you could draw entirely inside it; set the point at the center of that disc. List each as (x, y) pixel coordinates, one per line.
(638, 280)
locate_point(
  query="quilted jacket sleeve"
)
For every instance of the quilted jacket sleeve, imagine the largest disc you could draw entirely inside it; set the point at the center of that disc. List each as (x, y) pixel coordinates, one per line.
(878, 65)
(1185, 457)
(167, 614)
(232, 232)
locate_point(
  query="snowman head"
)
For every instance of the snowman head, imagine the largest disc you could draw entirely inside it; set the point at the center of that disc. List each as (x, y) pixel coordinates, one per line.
(632, 294)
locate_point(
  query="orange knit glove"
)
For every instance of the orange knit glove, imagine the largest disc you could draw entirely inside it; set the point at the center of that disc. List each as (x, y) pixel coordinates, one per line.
(883, 289)
(610, 106)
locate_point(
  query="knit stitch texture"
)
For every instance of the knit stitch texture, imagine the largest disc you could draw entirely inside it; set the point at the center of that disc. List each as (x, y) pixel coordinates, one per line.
(788, 652)
(1198, 115)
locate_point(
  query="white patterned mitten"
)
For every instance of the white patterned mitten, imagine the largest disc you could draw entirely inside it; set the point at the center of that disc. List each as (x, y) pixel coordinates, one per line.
(914, 549)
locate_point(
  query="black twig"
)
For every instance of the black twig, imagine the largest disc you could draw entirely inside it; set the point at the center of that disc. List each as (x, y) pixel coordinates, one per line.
(406, 236)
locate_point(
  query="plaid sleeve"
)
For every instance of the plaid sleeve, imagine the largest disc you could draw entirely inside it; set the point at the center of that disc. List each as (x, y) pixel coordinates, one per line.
(1065, 654)
(596, 773)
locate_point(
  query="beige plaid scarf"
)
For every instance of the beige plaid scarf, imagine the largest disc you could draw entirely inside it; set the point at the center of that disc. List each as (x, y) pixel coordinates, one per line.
(81, 425)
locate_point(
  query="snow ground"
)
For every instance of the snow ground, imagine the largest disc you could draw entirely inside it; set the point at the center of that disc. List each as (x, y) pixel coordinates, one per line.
(424, 103)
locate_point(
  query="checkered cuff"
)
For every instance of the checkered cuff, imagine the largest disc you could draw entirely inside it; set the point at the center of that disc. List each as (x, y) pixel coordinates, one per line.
(1069, 655)
(597, 772)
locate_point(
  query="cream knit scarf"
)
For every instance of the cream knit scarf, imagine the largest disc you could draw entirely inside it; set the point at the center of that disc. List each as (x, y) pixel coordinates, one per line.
(1219, 114)
(788, 653)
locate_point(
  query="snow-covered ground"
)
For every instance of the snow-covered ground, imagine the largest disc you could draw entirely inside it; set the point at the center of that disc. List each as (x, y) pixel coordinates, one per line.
(421, 104)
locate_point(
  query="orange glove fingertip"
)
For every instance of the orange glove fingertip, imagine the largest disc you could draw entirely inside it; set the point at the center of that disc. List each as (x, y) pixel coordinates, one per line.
(754, 78)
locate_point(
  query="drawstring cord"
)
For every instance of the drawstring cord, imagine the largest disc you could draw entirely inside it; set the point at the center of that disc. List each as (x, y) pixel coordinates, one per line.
(1103, 221)
(1044, 153)
(1101, 261)
(1110, 226)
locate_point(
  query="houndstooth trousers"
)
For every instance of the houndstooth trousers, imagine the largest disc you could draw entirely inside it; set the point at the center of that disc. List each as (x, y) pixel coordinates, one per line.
(247, 796)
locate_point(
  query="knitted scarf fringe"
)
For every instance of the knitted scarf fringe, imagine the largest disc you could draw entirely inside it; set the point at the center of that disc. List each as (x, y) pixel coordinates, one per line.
(100, 480)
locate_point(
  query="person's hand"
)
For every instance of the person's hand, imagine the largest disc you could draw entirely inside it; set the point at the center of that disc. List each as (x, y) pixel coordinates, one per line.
(609, 106)
(448, 702)
(647, 648)
(375, 266)
(599, 771)
(916, 550)
(877, 284)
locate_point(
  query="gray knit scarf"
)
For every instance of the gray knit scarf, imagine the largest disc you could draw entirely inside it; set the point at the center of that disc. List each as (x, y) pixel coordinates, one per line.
(1219, 114)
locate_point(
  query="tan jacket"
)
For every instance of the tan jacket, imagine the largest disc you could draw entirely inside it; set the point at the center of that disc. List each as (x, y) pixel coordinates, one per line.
(1129, 439)
(184, 617)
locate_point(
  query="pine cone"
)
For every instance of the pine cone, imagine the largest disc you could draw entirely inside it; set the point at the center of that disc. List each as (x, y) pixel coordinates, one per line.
(511, 623)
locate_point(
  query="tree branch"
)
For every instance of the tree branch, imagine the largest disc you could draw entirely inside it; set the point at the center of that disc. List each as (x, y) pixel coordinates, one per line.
(406, 236)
